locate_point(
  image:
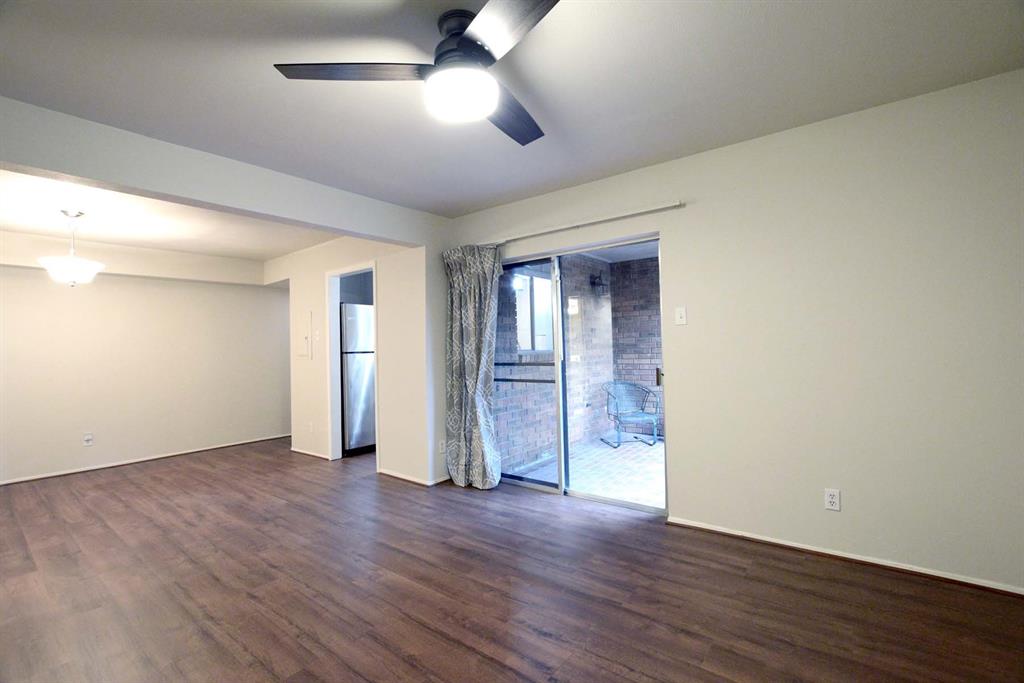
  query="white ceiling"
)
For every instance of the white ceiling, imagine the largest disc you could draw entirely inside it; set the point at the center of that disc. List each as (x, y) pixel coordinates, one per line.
(32, 204)
(615, 85)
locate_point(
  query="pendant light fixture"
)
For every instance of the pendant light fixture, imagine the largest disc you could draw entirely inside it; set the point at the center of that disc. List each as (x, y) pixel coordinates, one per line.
(71, 269)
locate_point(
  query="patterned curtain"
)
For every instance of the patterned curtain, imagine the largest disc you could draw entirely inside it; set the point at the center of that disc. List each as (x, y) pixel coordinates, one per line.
(471, 450)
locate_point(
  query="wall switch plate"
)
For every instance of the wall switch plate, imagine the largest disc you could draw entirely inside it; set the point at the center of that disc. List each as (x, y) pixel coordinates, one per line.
(87, 439)
(680, 315)
(833, 500)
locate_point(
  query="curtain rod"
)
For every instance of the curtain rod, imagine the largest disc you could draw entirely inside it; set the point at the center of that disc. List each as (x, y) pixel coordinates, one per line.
(594, 221)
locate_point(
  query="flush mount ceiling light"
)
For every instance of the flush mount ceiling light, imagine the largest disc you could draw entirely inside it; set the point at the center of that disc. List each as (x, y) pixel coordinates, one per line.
(71, 269)
(458, 86)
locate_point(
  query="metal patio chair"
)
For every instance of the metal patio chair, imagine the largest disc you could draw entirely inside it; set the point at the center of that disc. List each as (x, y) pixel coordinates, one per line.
(630, 403)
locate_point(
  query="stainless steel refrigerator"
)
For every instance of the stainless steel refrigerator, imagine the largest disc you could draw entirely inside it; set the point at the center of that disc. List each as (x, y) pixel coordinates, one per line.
(358, 377)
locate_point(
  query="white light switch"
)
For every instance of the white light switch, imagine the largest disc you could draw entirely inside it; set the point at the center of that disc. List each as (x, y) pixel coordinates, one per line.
(680, 315)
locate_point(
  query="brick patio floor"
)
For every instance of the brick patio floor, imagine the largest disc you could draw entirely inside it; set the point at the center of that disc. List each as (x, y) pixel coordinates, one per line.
(634, 472)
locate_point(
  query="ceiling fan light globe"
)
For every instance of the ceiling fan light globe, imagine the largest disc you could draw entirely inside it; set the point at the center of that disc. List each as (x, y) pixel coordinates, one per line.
(71, 270)
(461, 94)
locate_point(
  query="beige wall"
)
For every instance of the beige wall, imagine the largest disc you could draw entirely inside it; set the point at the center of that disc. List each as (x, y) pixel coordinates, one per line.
(406, 412)
(410, 343)
(50, 143)
(149, 366)
(855, 294)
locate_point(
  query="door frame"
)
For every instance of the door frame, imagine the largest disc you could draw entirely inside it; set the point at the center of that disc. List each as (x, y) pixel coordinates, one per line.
(564, 471)
(556, 350)
(332, 279)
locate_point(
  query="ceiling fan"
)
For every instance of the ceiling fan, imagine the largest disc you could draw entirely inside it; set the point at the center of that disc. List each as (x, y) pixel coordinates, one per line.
(458, 86)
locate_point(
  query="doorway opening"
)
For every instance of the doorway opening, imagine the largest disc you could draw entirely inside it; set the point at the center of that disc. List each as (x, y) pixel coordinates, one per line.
(611, 304)
(578, 375)
(353, 363)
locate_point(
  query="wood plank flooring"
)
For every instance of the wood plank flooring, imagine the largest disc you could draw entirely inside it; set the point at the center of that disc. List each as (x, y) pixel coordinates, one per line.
(252, 563)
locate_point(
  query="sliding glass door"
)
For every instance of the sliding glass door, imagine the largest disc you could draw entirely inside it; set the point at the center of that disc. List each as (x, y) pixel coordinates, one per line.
(527, 386)
(578, 401)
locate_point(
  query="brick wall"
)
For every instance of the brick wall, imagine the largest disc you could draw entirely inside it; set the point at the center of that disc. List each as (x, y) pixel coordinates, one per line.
(525, 416)
(636, 326)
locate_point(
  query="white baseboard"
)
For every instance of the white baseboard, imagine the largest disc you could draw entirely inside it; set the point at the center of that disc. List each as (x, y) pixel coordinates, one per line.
(415, 480)
(1019, 590)
(118, 463)
(315, 455)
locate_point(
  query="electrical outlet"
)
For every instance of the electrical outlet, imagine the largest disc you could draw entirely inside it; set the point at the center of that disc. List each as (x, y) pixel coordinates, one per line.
(833, 500)
(87, 439)
(440, 446)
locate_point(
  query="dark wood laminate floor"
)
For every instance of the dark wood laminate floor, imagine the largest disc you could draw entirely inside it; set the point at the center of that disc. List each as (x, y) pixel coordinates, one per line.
(255, 564)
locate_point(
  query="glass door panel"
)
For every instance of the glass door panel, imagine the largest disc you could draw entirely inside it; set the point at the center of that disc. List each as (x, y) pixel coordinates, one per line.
(611, 333)
(526, 400)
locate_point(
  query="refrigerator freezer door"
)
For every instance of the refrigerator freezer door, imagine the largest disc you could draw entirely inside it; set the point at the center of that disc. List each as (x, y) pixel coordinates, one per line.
(358, 378)
(356, 328)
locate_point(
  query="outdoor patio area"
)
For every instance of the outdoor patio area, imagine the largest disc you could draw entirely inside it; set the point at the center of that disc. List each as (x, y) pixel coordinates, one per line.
(633, 473)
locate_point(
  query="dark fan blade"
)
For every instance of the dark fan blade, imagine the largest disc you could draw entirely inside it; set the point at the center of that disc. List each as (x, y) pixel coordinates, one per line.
(503, 23)
(355, 72)
(513, 119)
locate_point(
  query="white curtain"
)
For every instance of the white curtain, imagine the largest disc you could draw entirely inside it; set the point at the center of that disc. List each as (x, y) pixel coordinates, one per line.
(471, 449)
